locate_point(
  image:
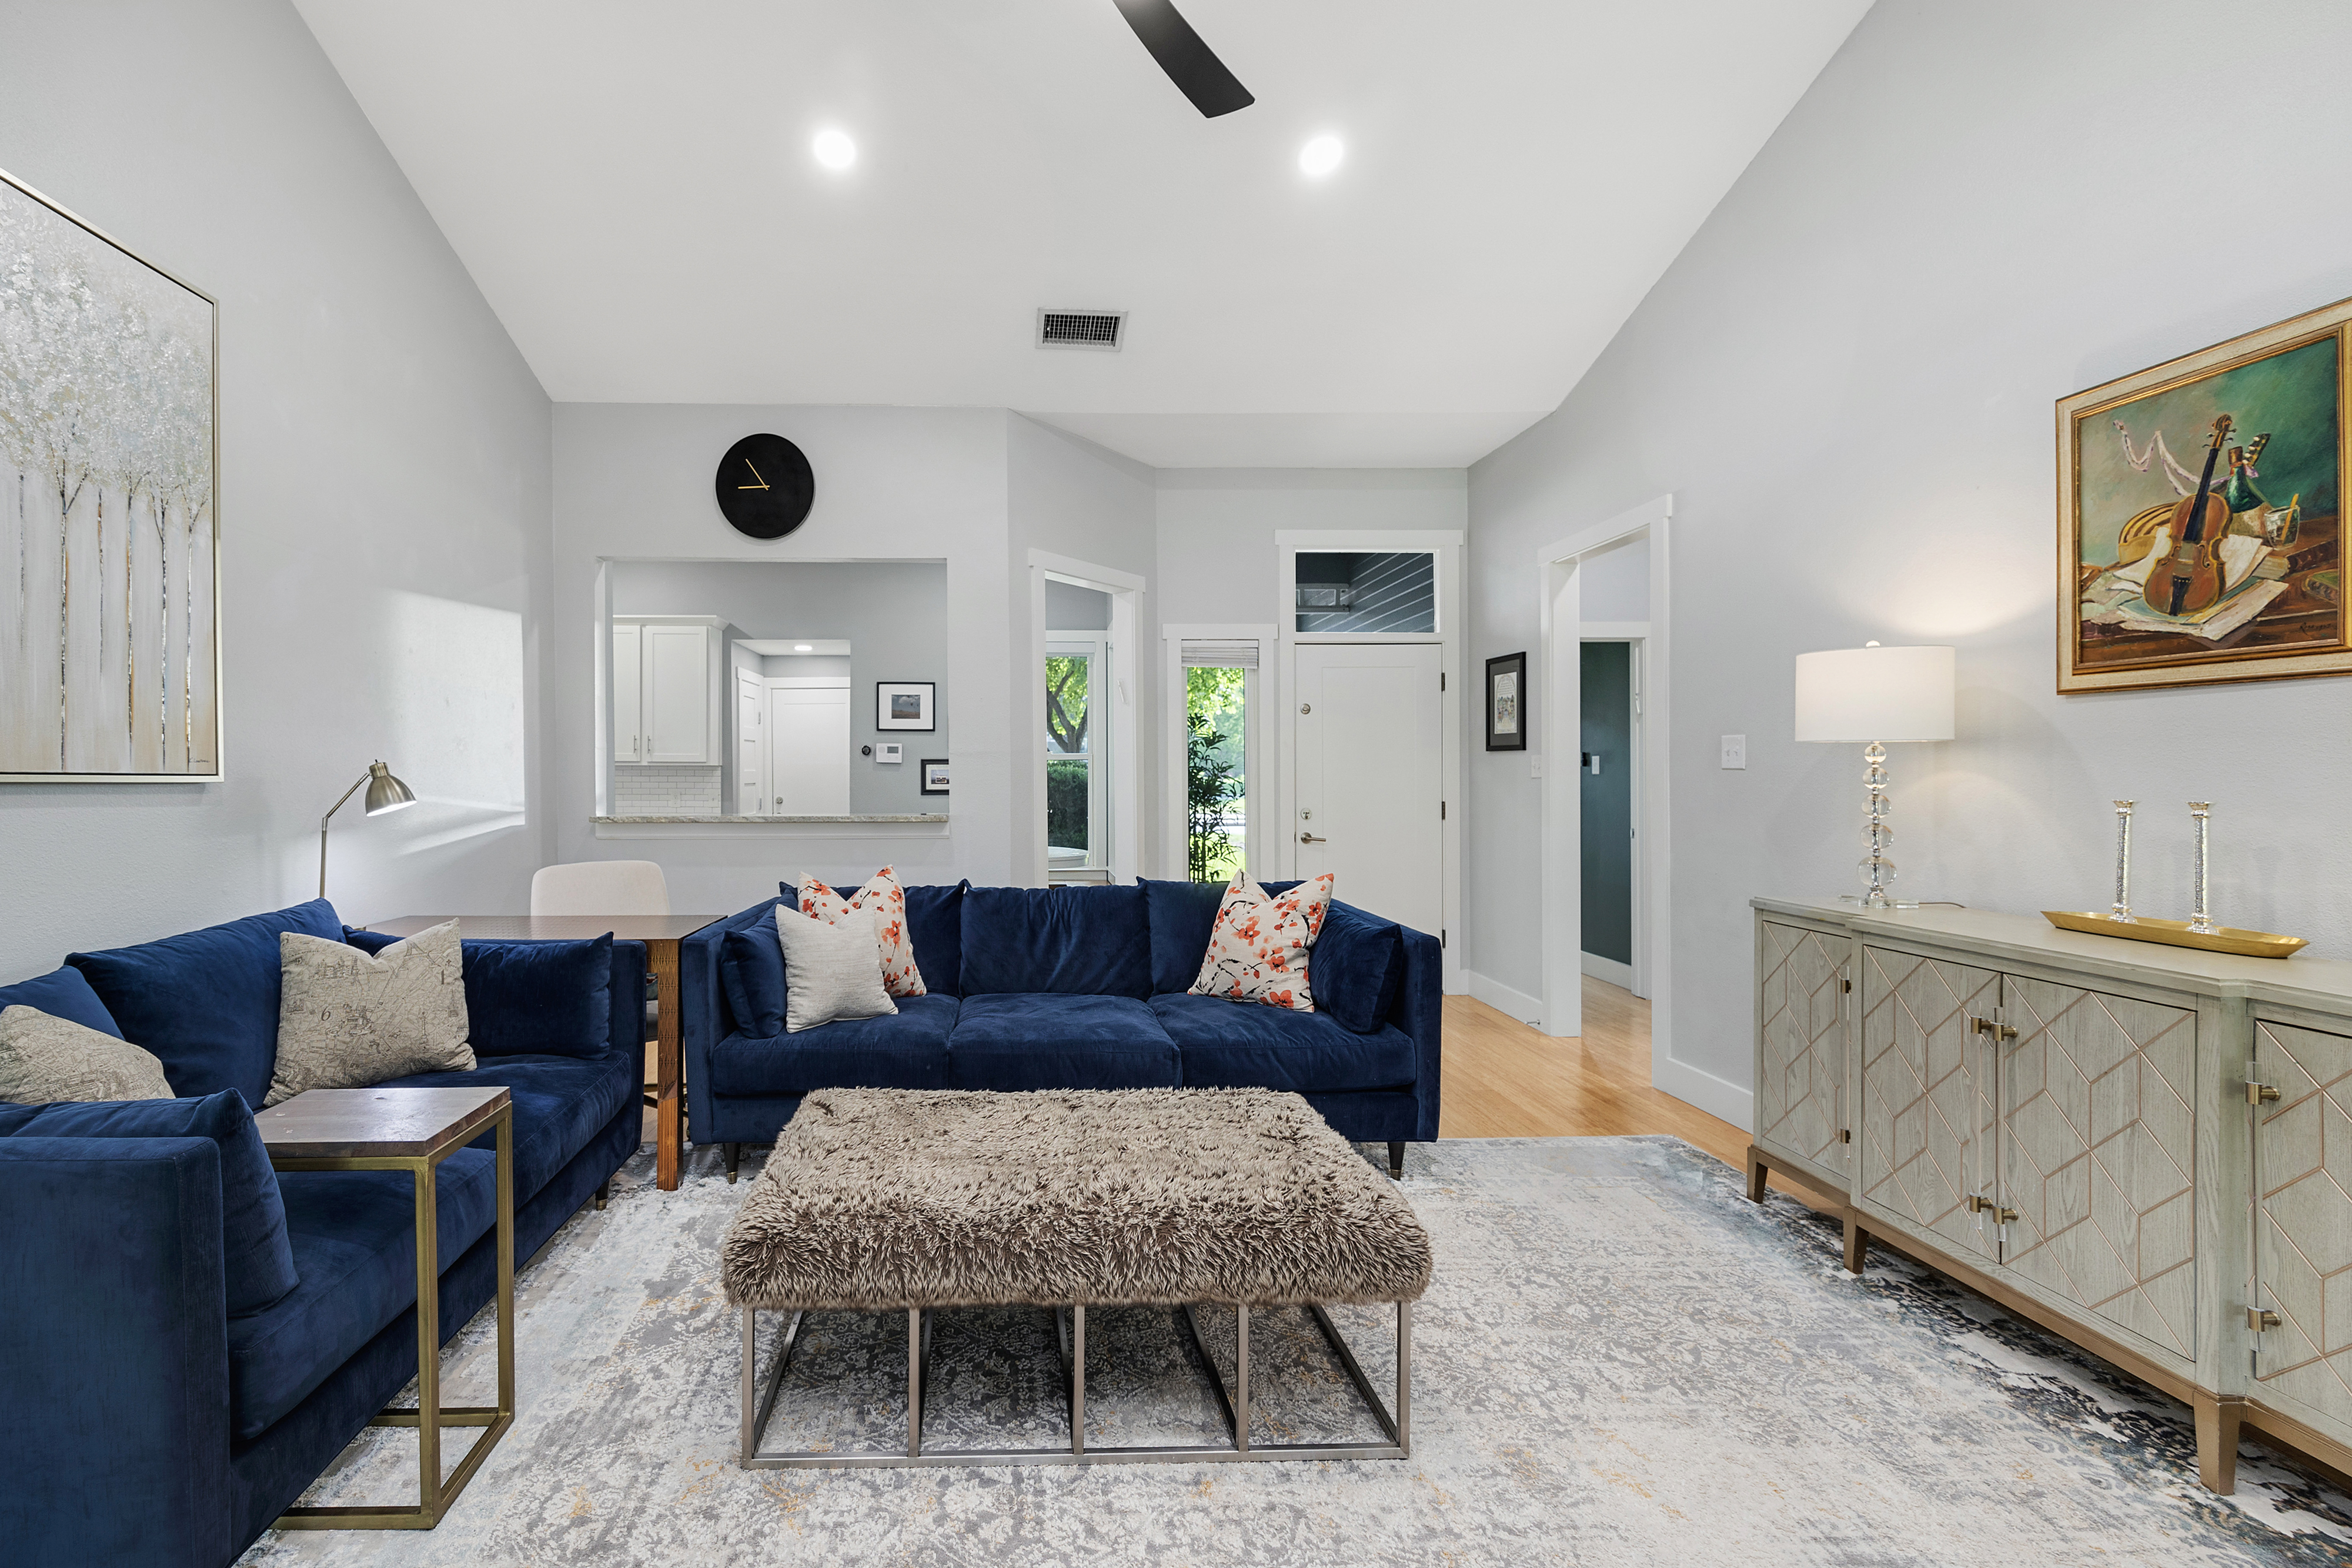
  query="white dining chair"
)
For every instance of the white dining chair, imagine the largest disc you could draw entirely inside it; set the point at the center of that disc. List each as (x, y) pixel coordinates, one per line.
(600, 888)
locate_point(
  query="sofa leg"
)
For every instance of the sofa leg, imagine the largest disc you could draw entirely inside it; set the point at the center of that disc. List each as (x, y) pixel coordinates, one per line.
(604, 1191)
(734, 1154)
(1396, 1158)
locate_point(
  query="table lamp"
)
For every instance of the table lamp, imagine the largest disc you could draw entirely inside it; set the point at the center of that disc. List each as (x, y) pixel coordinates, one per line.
(384, 793)
(1868, 697)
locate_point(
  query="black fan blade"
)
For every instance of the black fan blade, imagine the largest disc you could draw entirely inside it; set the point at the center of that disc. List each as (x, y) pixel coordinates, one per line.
(1196, 71)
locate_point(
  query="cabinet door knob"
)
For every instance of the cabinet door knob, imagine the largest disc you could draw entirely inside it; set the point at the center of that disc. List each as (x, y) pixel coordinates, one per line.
(2258, 1092)
(1993, 1027)
(2257, 1319)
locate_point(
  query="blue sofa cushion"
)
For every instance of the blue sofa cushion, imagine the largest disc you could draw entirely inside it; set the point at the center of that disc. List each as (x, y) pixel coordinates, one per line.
(1014, 1040)
(530, 998)
(257, 1263)
(908, 1050)
(355, 1241)
(1241, 1045)
(559, 1103)
(62, 993)
(1182, 915)
(205, 1003)
(1076, 940)
(934, 924)
(1355, 966)
(751, 968)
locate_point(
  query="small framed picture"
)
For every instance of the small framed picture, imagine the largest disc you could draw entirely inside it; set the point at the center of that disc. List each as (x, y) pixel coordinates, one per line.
(905, 705)
(1506, 703)
(935, 775)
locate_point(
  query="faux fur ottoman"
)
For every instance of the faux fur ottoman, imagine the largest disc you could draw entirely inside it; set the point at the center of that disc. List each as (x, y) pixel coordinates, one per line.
(881, 1198)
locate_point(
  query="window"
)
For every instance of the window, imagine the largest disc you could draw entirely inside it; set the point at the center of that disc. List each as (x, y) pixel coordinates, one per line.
(1216, 769)
(1076, 784)
(1390, 591)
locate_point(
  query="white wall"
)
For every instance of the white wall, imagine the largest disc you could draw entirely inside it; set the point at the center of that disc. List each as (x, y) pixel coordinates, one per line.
(1846, 382)
(383, 491)
(634, 482)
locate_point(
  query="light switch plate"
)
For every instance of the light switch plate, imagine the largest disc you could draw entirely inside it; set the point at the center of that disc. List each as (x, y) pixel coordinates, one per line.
(1734, 751)
(890, 751)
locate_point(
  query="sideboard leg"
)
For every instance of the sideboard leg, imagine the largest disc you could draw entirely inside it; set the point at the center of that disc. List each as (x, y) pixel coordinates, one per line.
(1857, 1243)
(1756, 1169)
(2216, 1441)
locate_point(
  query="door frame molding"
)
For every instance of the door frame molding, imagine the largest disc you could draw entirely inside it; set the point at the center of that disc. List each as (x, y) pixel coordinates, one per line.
(1175, 816)
(1559, 603)
(1448, 545)
(1125, 589)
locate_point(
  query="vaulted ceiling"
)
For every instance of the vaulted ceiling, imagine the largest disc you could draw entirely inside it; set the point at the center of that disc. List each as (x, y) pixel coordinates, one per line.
(632, 187)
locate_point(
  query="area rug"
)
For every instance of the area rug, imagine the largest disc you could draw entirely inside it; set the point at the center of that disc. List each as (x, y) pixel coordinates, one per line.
(1620, 1361)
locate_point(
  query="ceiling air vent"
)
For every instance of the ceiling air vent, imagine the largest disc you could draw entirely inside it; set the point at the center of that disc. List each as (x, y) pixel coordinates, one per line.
(1081, 329)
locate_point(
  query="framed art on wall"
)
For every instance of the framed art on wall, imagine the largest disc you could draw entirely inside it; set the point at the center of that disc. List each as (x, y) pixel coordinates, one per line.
(2200, 502)
(935, 775)
(905, 705)
(108, 451)
(1506, 703)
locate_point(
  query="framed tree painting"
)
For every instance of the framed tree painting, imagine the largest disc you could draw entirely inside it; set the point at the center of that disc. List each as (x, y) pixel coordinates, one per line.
(2199, 515)
(1507, 707)
(110, 636)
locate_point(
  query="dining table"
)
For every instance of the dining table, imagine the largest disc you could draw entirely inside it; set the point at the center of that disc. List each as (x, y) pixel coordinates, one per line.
(661, 934)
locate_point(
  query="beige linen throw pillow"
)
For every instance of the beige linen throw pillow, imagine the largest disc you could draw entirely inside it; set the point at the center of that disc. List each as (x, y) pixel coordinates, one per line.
(831, 970)
(45, 1059)
(347, 1020)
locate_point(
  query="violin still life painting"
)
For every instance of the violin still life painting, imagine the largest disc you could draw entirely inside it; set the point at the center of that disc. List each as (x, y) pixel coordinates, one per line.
(2199, 535)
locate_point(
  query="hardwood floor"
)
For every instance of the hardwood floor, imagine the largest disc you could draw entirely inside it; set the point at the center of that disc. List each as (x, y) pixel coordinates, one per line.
(1506, 1079)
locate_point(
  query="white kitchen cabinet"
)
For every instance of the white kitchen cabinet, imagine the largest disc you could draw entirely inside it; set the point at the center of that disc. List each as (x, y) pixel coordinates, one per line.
(666, 689)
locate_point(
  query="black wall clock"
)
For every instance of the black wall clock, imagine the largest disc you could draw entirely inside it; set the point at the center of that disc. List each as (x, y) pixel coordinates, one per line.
(765, 487)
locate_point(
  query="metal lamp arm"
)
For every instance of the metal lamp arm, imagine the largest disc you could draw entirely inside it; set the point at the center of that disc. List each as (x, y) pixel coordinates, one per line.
(331, 817)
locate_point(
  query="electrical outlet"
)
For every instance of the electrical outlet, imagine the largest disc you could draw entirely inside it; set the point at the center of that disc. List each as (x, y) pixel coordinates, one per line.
(1734, 751)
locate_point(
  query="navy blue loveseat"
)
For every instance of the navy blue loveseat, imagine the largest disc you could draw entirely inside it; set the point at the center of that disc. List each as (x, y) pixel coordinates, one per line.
(188, 1338)
(1074, 987)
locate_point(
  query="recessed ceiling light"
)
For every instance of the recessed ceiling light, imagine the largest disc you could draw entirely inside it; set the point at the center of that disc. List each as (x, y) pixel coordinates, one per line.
(803, 647)
(833, 149)
(1320, 156)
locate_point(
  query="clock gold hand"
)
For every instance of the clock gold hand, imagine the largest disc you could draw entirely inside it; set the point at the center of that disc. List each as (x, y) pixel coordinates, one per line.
(755, 473)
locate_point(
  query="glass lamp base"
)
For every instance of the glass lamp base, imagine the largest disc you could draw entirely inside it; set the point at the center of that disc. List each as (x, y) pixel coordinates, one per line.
(1866, 902)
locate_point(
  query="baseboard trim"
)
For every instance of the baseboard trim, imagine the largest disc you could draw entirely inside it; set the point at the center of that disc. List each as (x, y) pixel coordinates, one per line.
(1697, 1086)
(1608, 970)
(1502, 997)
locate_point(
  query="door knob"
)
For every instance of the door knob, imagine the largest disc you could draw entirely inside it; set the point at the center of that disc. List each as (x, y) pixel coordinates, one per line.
(1311, 839)
(1305, 708)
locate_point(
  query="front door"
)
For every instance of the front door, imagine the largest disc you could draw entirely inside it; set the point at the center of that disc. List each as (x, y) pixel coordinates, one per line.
(1371, 772)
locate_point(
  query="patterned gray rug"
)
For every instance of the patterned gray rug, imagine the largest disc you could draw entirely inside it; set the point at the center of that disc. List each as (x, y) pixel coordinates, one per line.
(1621, 1361)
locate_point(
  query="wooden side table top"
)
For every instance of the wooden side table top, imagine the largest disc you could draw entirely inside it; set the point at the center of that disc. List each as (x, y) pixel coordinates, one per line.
(554, 928)
(378, 1123)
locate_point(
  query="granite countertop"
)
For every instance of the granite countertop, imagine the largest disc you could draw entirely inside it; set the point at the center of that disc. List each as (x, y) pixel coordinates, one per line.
(762, 822)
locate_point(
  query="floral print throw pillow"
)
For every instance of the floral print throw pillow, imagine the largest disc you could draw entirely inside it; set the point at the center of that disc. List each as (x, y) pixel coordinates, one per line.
(884, 902)
(1257, 950)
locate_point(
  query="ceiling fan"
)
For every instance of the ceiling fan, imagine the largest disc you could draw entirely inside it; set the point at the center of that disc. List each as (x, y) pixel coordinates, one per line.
(1197, 72)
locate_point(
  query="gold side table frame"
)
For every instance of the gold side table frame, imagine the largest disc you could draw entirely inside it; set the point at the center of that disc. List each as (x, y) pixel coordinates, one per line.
(401, 1130)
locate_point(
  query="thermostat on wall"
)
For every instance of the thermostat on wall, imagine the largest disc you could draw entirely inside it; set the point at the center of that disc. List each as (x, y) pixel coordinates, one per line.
(890, 751)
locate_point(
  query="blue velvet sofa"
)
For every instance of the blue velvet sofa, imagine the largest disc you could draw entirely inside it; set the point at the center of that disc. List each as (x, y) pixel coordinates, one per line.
(188, 1338)
(1074, 987)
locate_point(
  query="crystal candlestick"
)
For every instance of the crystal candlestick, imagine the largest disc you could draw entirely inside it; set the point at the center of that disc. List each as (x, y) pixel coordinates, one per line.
(2121, 909)
(2201, 922)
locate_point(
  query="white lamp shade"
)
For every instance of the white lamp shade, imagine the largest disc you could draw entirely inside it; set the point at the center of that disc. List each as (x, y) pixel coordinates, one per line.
(1861, 695)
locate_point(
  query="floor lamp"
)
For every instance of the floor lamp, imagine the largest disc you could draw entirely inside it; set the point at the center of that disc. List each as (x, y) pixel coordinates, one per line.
(1866, 696)
(384, 793)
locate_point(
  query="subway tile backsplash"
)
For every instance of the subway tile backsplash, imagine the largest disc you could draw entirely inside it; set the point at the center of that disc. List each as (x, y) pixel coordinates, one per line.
(661, 789)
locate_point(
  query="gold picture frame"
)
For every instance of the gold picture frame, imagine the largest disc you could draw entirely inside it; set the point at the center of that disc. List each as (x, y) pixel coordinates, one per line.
(2270, 564)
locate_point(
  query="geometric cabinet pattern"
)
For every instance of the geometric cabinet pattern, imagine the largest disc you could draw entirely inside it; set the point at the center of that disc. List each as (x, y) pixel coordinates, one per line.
(1925, 1136)
(1803, 1068)
(2303, 1226)
(2098, 1155)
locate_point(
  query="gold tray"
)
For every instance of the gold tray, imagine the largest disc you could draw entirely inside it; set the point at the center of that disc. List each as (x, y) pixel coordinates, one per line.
(2176, 934)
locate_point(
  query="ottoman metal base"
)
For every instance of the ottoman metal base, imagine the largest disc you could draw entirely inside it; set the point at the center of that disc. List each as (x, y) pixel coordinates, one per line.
(1070, 1328)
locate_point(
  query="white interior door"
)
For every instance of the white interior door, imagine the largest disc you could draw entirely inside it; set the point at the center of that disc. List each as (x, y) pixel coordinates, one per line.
(750, 744)
(628, 702)
(678, 694)
(1370, 777)
(808, 750)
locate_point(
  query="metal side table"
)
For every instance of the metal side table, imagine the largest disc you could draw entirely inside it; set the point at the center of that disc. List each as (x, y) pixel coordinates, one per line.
(411, 1130)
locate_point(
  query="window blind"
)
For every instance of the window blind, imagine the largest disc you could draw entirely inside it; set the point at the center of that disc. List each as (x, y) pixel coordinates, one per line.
(1219, 655)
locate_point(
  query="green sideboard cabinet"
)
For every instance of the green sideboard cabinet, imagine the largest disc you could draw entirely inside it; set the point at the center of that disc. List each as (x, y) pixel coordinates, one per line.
(2147, 1150)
